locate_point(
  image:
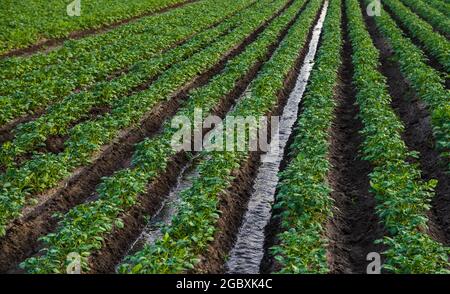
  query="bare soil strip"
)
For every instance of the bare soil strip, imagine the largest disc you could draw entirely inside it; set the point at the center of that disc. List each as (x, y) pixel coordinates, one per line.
(47, 45)
(418, 135)
(21, 241)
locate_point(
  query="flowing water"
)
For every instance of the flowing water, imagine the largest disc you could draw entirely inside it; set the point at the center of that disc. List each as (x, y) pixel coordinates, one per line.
(168, 209)
(248, 251)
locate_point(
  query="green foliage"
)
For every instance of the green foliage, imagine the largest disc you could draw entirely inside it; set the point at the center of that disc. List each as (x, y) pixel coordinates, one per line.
(27, 23)
(120, 191)
(438, 20)
(437, 45)
(28, 84)
(87, 138)
(403, 198)
(441, 6)
(194, 225)
(59, 118)
(427, 83)
(304, 194)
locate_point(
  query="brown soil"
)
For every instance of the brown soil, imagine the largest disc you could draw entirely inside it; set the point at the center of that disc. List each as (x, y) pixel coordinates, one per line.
(418, 135)
(233, 203)
(105, 260)
(355, 225)
(47, 45)
(6, 133)
(21, 238)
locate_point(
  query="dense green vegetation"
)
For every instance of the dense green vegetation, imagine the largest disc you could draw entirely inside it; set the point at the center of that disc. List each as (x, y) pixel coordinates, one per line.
(46, 170)
(98, 57)
(120, 93)
(150, 158)
(304, 194)
(25, 23)
(403, 198)
(426, 81)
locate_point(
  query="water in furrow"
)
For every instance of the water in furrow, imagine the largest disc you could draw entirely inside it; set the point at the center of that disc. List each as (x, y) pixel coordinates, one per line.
(248, 250)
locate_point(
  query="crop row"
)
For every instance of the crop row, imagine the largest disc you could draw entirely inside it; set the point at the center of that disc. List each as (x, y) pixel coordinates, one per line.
(76, 106)
(194, 226)
(426, 81)
(403, 198)
(437, 45)
(47, 170)
(115, 40)
(303, 197)
(26, 24)
(13, 68)
(441, 6)
(438, 20)
(45, 86)
(84, 227)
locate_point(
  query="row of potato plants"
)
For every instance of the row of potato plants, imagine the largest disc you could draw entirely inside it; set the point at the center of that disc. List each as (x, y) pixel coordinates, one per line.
(303, 194)
(426, 81)
(46, 170)
(25, 25)
(403, 199)
(439, 21)
(50, 84)
(437, 45)
(83, 229)
(59, 117)
(441, 6)
(16, 67)
(195, 224)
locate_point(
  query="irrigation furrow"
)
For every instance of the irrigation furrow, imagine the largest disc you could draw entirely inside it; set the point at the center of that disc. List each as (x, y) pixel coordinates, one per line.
(227, 104)
(208, 196)
(167, 209)
(235, 201)
(248, 250)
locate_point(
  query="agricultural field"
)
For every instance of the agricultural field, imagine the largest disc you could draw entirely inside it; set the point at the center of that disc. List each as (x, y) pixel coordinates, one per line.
(225, 136)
